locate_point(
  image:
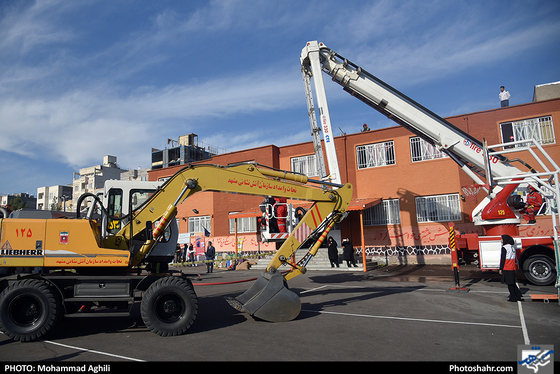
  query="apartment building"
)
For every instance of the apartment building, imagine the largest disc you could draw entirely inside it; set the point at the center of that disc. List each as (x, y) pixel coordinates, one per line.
(186, 150)
(410, 191)
(92, 179)
(54, 198)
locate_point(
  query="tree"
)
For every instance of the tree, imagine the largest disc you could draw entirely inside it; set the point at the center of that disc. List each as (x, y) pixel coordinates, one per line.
(17, 203)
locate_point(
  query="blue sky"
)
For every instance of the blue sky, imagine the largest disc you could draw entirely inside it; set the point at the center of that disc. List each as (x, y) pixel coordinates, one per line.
(84, 79)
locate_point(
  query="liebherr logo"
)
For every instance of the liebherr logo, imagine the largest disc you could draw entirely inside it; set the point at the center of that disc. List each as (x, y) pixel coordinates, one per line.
(7, 251)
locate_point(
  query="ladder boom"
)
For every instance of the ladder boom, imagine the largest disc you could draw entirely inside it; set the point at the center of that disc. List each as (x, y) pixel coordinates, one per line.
(465, 149)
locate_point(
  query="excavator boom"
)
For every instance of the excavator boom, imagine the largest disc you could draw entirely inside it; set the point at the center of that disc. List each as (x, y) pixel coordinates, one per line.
(269, 298)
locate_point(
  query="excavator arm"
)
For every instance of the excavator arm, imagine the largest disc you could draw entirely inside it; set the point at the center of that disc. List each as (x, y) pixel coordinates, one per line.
(248, 179)
(269, 298)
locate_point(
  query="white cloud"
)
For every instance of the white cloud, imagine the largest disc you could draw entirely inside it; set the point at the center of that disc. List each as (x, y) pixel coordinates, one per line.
(408, 43)
(80, 125)
(70, 96)
(27, 29)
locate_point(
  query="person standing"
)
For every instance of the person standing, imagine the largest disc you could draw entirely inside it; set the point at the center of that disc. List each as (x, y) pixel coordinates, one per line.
(177, 254)
(210, 254)
(532, 205)
(191, 254)
(504, 96)
(348, 252)
(508, 267)
(281, 209)
(333, 251)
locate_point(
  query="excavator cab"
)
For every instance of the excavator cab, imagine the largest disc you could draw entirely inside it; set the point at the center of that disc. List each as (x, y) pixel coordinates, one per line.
(118, 201)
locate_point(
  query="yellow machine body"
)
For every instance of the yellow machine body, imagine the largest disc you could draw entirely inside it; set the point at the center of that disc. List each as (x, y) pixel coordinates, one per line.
(55, 243)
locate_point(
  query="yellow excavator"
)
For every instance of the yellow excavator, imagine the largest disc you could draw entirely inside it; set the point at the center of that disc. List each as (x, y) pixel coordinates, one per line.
(50, 268)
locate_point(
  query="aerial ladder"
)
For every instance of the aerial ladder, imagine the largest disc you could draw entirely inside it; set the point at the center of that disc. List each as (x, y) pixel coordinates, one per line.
(330, 180)
(486, 166)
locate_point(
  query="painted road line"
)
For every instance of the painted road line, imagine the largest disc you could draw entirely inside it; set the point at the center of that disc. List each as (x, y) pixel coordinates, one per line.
(91, 351)
(413, 319)
(522, 318)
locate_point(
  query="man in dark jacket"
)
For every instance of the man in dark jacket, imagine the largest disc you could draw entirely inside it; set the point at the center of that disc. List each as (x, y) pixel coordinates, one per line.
(210, 254)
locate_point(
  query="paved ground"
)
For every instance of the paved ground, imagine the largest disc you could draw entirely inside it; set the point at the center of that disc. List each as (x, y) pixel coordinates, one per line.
(390, 314)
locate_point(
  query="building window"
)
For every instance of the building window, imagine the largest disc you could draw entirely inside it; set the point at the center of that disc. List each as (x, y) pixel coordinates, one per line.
(306, 165)
(541, 129)
(438, 208)
(385, 213)
(244, 225)
(421, 150)
(199, 224)
(374, 155)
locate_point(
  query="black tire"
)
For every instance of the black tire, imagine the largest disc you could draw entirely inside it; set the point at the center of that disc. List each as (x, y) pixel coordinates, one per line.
(28, 309)
(169, 306)
(539, 270)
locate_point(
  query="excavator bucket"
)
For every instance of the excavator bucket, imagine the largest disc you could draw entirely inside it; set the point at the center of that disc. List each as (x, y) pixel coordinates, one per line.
(269, 299)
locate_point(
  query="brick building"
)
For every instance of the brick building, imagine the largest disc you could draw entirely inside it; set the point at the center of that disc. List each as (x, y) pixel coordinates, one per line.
(410, 190)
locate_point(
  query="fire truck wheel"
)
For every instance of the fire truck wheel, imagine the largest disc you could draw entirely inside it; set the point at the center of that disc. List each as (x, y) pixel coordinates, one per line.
(28, 309)
(539, 270)
(169, 306)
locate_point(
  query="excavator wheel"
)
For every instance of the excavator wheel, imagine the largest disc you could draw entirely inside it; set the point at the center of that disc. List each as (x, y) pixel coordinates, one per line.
(29, 309)
(169, 306)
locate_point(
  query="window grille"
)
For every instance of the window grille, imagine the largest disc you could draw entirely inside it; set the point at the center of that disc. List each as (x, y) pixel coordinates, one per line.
(306, 165)
(199, 224)
(245, 224)
(374, 155)
(421, 150)
(438, 208)
(540, 129)
(385, 213)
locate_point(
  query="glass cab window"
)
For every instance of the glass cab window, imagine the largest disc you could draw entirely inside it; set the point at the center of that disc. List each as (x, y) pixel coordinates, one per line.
(114, 208)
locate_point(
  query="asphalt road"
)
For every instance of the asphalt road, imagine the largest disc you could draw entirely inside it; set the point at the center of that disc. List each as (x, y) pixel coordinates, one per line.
(389, 314)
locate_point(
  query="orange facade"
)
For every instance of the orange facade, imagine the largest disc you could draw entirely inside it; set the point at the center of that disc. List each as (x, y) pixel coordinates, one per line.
(400, 180)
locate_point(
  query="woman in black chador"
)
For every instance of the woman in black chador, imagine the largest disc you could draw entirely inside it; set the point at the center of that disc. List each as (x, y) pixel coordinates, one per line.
(348, 252)
(333, 251)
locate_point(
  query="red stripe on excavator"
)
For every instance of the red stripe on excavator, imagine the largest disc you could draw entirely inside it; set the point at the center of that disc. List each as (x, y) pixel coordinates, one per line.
(318, 217)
